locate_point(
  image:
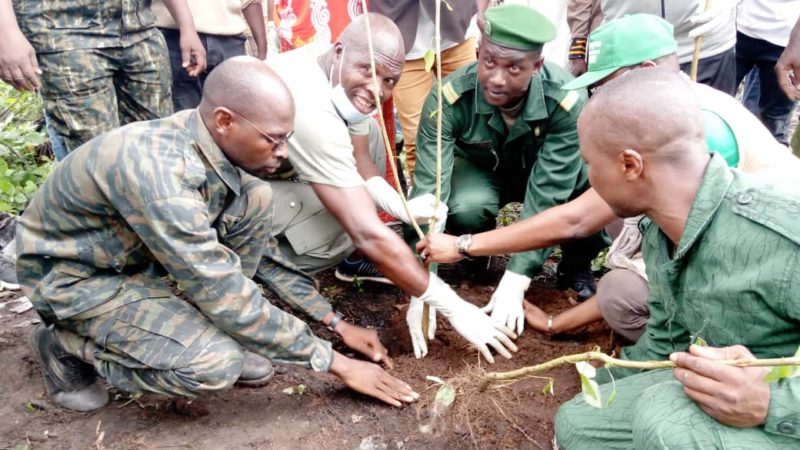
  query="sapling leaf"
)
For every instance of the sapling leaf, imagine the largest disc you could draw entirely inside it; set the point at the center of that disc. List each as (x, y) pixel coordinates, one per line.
(446, 395)
(700, 342)
(613, 395)
(781, 372)
(548, 388)
(429, 57)
(589, 387)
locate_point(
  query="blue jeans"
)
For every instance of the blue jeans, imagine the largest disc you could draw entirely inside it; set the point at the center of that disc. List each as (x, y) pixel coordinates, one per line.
(774, 107)
(56, 140)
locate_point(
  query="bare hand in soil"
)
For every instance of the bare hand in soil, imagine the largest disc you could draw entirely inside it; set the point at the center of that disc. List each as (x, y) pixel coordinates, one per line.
(370, 379)
(536, 318)
(439, 248)
(734, 396)
(365, 342)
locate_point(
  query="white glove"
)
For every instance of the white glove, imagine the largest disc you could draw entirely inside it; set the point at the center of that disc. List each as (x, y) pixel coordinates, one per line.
(506, 302)
(475, 326)
(387, 199)
(720, 14)
(414, 321)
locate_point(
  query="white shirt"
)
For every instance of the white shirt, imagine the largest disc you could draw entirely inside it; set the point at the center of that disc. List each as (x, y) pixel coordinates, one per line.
(677, 13)
(768, 20)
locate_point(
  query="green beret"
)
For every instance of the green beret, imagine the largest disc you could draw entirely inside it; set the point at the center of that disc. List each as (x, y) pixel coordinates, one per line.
(517, 26)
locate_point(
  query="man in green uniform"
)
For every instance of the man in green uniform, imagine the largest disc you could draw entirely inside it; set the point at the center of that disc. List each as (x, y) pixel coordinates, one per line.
(509, 134)
(722, 251)
(176, 196)
(98, 64)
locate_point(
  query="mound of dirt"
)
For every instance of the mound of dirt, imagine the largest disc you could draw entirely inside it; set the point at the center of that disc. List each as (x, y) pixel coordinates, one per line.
(326, 415)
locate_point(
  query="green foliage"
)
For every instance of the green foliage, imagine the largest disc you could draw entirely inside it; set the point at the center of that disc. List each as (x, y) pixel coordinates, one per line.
(781, 372)
(548, 388)
(589, 387)
(429, 58)
(599, 262)
(21, 170)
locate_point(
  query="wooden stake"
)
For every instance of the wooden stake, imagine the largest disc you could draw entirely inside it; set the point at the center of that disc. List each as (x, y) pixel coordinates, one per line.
(698, 43)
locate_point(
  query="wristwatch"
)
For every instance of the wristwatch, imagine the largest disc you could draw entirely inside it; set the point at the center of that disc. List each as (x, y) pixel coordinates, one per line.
(462, 245)
(337, 317)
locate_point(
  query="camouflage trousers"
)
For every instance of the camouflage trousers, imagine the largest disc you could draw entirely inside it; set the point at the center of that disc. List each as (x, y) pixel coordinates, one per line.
(651, 411)
(90, 91)
(145, 339)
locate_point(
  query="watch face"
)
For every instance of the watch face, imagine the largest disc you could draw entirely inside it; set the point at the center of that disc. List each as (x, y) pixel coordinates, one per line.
(463, 243)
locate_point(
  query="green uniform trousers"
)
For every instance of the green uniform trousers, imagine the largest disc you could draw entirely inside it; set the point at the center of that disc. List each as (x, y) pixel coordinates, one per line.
(652, 412)
(477, 196)
(87, 92)
(161, 343)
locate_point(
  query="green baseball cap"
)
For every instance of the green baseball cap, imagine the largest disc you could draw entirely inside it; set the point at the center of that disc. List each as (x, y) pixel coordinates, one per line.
(518, 27)
(624, 42)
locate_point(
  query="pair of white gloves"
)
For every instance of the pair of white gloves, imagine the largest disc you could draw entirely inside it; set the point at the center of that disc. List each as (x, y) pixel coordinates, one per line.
(467, 319)
(474, 325)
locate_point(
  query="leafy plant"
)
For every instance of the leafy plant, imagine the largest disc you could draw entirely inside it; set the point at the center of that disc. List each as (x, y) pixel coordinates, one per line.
(22, 170)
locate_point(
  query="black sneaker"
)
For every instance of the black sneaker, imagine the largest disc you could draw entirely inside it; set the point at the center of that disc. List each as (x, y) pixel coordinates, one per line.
(581, 281)
(360, 269)
(70, 382)
(8, 274)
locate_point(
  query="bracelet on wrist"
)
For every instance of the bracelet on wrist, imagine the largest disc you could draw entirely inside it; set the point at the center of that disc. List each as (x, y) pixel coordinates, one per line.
(550, 325)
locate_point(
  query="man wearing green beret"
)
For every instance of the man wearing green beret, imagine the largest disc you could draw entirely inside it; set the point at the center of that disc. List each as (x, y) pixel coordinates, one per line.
(509, 135)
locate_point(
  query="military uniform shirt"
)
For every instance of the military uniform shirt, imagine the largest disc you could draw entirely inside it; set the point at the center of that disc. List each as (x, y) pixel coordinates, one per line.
(734, 279)
(148, 193)
(541, 149)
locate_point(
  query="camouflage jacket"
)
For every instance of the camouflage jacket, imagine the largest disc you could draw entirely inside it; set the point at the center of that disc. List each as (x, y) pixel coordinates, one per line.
(60, 25)
(148, 193)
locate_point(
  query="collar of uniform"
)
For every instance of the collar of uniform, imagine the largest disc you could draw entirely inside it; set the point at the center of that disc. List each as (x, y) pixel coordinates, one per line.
(213, 154)
(535, 108)
(716, 182)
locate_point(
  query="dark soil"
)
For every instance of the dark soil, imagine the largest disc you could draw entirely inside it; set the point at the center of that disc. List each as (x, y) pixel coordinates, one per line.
(326, 415)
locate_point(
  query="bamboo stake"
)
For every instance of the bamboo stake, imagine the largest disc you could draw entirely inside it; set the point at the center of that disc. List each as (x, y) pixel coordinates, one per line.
(390, 155)
(616, 362)
(382, 123)
(698, 43)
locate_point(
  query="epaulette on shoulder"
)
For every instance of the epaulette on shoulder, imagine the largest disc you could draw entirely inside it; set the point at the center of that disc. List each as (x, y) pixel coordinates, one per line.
(449, 93)
(772, 207)
(569, 100)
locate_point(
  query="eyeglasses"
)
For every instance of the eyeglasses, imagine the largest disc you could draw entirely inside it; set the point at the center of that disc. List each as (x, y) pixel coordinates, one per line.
(272, 140)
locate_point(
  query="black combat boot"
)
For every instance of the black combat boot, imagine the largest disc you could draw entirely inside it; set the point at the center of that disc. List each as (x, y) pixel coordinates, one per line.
(71, 383)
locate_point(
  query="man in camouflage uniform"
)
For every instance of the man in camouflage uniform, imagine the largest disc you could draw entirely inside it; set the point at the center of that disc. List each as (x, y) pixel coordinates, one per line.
(101, 64)
(175, 196)
(508, 134)
(722, 252)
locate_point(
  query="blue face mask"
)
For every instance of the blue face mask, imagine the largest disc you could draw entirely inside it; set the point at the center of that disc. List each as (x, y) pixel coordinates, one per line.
(344, 107)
